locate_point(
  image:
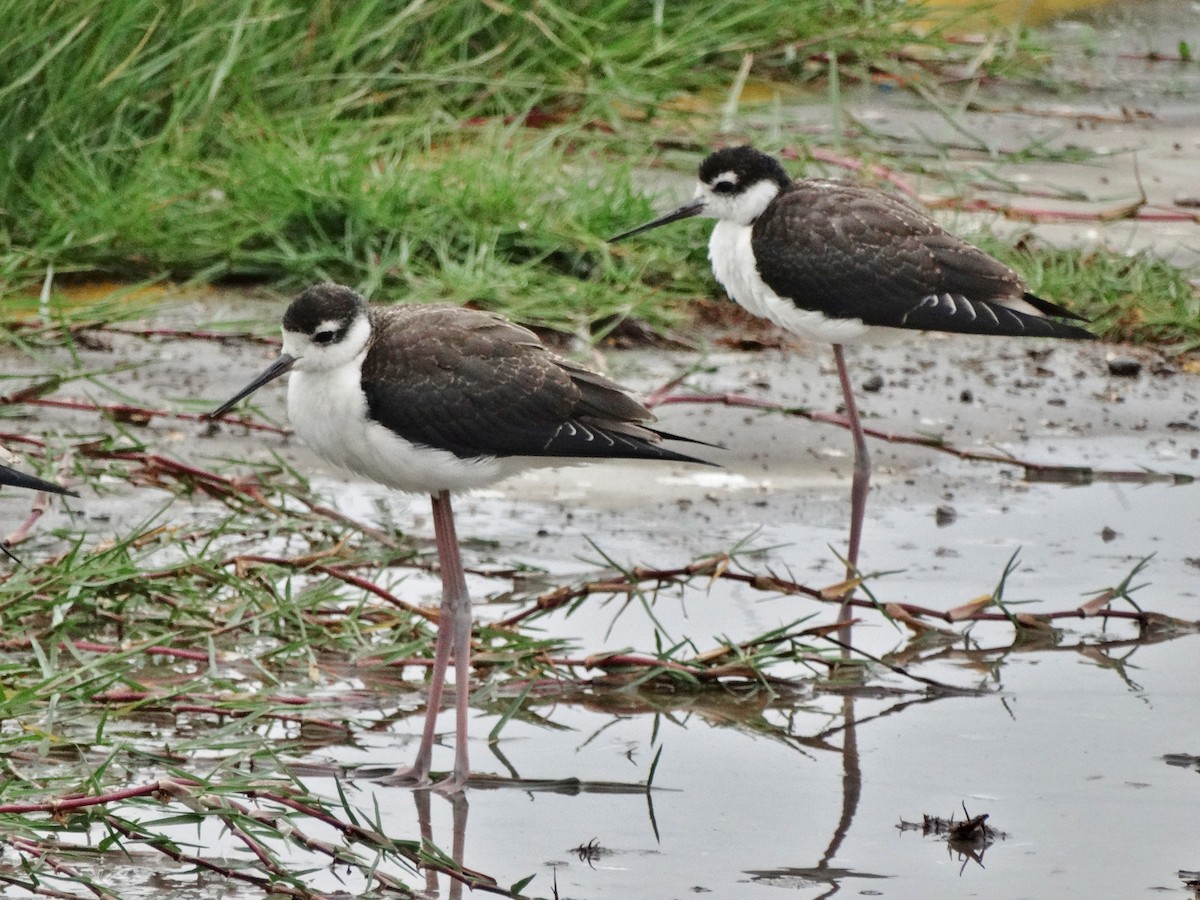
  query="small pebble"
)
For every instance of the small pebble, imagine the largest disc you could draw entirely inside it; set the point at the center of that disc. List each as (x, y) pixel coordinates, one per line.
(944, 515)
(873, 384)
(966, 396)
(1107, 534)
(1124, 367)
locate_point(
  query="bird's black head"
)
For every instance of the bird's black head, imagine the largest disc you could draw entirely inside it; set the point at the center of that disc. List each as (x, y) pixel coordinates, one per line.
(733, 170)
(325, 327)
(736, 185)
(324, 313)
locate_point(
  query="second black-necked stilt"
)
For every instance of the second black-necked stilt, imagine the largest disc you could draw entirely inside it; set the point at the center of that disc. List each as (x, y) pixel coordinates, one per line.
(435, 399)
(833, 261)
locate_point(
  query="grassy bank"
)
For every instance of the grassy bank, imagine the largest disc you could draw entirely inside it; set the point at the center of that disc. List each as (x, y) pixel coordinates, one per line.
(458, 151)
(281, 141)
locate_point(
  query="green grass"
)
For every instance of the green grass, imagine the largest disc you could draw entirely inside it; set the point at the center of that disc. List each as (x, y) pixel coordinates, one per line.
(1128, 297)
(392, 148)
(380, 146)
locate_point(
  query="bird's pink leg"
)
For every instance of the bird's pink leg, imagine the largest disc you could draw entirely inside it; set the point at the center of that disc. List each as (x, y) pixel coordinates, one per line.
(862, 470)
(452, 634)
(456, 615)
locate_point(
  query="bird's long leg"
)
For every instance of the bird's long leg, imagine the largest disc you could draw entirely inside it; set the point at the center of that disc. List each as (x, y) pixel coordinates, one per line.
(456, 616)
(454, 596)
(862, 469)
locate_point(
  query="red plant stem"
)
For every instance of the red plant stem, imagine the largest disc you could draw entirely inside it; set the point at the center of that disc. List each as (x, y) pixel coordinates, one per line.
(35, 513)
(166, 848)
(714, 568)
(186, 703)
(350, 578)
(742, 402)
(1136, 210)
(175, 652)
(23, 845)
(856, 165)
(125, 411)
(125, 696)
(93, 647)
(170, 786)
(243, 337)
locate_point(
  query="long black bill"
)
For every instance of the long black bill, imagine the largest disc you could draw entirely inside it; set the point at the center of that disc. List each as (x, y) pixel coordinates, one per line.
(270, 373)
(689, 209)
(20, 479)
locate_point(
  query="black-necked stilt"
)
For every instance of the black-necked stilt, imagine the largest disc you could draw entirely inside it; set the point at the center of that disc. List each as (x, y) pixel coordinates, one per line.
(832, 261)
(435, 399)
(15, 478)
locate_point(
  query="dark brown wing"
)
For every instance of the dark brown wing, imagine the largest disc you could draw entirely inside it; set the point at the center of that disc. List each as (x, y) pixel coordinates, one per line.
(475, 384)
(856, 253)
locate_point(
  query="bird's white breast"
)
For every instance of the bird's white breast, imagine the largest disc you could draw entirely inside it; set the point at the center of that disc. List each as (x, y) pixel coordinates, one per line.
(329, 411)
(735, 268)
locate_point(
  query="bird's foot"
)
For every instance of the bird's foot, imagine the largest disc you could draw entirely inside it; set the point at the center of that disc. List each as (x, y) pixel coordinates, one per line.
(408, 776)
(452, 784)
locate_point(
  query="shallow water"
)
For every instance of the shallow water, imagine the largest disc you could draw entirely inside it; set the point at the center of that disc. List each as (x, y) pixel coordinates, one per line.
(1063, 747)
(1061, 741)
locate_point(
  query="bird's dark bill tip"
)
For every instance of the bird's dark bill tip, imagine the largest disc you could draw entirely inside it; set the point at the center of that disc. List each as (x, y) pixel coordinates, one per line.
(270, 373)
(14, 478)
(692, 208)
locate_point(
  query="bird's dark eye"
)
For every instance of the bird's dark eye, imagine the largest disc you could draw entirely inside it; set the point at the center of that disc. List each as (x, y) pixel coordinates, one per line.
(724, 187)
(323, 337)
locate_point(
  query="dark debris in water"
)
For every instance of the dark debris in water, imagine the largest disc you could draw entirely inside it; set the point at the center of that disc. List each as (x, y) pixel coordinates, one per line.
(972, 829)
(944, 515)
(1182, 760)
(970, 836)
(797, 878)
(1191, 880)
(1124, 367)
(591, 851)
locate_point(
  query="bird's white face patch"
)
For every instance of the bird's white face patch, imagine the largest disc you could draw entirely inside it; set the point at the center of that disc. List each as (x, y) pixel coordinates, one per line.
(725, 183)
(741, 204)
(322, 350)
(326, 330)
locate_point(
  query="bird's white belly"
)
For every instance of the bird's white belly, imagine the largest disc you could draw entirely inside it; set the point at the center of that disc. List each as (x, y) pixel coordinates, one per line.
(733, 265)
(329, 412)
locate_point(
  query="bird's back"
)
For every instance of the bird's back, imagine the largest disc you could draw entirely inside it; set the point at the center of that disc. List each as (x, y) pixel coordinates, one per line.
(474, 384)
(852, 252)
